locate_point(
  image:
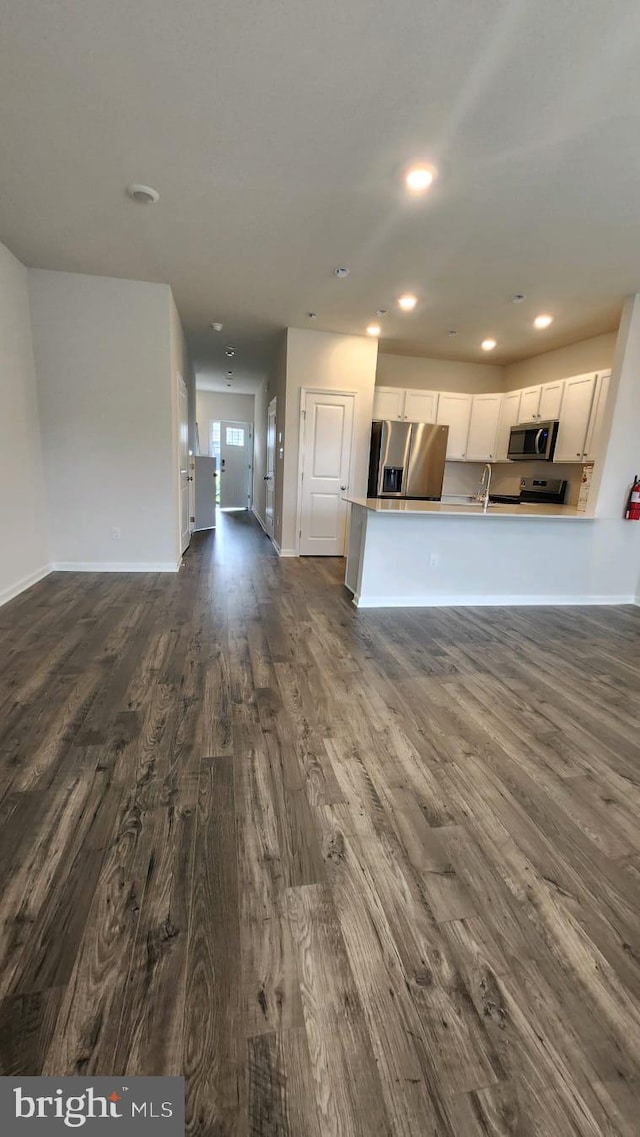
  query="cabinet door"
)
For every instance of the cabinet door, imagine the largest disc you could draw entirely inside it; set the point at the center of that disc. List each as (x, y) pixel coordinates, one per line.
(529, 404)
(509, 416)
(594, 433)
(551, 400)
(483, 428)
(421, 406)
(574, 419)
(388, 403)
(454, 411)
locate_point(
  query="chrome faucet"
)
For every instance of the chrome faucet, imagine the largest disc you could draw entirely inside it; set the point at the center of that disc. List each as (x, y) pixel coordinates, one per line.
(485, 486)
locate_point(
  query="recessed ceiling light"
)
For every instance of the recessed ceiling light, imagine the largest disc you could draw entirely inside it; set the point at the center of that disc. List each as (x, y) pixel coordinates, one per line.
(407, 302)
(145, 195)
(373, 330)
(488, 345)
(230, 351)
(217, 327)
(229, 372)
(542, 321)
(341, 272)
(382, 312)
(419, 178)
(311, 315)
(518, 297)
(452, 332)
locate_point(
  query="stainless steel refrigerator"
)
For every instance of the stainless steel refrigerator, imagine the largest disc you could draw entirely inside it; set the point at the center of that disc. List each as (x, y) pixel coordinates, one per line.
(407, 459)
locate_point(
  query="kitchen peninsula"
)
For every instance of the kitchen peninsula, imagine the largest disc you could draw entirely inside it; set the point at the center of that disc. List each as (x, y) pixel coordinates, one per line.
(431, 553)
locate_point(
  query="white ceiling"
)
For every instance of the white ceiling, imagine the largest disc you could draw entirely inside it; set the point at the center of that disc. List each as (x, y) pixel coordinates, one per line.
(277, 134)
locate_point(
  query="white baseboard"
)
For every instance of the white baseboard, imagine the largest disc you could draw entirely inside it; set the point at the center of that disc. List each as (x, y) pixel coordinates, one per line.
(287, 552)
(260, 521)
(21, 585)
(459, 601)
(116, 566)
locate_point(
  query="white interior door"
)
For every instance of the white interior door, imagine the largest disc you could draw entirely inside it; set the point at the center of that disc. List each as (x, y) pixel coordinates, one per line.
(183, 465)
(270, 474)
(327, 438)
(235, 464)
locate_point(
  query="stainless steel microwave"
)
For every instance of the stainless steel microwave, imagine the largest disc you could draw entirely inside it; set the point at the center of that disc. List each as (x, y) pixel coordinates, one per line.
(533, 441)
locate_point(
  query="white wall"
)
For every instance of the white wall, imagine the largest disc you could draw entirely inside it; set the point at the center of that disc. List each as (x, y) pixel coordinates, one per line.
(595, 354)
(25, 555)
(215, 406)
(438, 374)
(620, 431)
(103, 351)
(326, 362)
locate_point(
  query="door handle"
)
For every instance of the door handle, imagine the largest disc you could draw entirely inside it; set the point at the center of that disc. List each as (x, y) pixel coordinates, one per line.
(343, 487)
(537, 441)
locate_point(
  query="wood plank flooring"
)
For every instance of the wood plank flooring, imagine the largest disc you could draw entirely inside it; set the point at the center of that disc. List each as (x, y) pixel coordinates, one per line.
(352, 873)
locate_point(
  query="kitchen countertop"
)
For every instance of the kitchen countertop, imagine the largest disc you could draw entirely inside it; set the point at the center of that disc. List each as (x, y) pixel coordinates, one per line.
(470, 509)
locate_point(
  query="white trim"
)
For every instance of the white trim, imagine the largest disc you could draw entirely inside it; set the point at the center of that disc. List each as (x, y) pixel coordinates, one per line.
(510, 601)
(116, 566)
(258, 518)
(26, 582)
(304, 391)
(287, 552)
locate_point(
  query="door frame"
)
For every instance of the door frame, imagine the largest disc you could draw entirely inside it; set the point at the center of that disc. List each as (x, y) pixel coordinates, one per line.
(273, 403)
(304, 391)
(249, 450)
(183, 391)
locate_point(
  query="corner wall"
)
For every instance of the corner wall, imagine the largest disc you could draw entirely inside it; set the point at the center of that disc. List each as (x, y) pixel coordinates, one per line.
(595, 354)
(103, 350)
(328, 362)
(25, 554)
(438, 374)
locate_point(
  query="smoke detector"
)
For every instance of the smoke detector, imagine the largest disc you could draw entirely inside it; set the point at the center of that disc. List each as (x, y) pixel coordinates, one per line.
(230, 351)
(217, 327)
(312, 315)
(518, 297)
(452, 332)
(341, 272)
(144, 195)
(382, 312)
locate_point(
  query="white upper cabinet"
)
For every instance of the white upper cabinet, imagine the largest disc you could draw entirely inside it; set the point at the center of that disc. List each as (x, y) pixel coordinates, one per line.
(529, 404)
(550, 400)
(483, 428)
(421, 406)
(509, 416)
(388, 403)
(571, 445)
(594, 433)
(454, 411)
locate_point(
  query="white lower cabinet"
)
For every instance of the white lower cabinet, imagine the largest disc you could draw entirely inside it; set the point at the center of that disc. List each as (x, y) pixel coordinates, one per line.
(454, 411)
(483, 428)
(571, 445)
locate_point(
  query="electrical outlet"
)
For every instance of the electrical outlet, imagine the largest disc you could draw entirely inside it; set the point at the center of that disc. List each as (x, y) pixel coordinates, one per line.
(116, 532)
(434, 560)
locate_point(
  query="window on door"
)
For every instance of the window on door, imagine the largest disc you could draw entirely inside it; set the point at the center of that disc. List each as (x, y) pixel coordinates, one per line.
(234, 436)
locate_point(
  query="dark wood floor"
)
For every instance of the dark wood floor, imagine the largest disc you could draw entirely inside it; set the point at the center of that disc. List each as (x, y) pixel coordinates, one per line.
(352, 873)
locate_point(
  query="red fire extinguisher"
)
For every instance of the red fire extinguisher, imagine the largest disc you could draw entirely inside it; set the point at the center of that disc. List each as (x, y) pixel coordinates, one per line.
(632, 512)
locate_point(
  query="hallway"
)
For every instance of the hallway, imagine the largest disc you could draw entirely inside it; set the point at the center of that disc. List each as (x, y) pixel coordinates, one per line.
(351, 873)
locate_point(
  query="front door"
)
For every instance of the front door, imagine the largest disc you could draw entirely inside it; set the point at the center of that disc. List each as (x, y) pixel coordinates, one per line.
(183, 465)
(235, 464)
(327, 440)
(270, 475)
